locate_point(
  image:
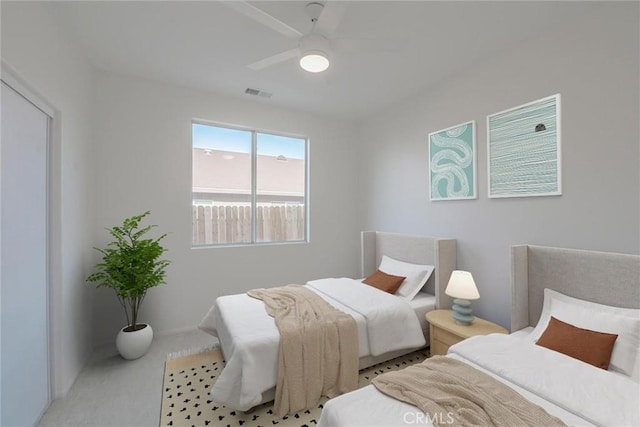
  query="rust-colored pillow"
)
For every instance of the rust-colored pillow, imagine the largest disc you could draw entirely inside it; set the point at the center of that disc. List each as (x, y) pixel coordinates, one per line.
(583, 344)
(384, 282)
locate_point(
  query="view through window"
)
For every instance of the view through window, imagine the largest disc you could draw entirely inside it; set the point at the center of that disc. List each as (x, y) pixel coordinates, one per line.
(248, 186)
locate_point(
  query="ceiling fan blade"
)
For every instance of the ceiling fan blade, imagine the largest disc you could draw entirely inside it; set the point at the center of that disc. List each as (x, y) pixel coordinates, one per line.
(275, 59)
(330, 17)
(263, 17)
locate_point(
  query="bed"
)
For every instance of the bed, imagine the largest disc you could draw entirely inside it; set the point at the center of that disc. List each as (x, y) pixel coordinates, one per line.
(249, 338)
(573, 391)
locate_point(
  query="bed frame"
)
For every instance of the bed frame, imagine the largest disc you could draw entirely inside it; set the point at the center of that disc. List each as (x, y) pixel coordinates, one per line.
(601, 277)
(441, 253)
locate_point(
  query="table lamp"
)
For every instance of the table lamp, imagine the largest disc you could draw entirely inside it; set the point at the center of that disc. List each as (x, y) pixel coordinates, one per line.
(462, 287)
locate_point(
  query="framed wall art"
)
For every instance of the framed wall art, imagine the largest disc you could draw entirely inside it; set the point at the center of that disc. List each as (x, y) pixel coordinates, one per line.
(452, 163)
(523, 150)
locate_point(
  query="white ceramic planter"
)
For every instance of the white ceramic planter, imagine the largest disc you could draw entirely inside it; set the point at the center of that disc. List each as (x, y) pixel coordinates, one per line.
(133, 345)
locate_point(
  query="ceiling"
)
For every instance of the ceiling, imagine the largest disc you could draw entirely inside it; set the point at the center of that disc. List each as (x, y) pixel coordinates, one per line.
(207, 45)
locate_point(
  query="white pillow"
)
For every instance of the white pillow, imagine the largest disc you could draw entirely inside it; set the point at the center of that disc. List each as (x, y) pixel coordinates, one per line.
(416, 275)
(625, 349)
(550, 294)
(598, 317)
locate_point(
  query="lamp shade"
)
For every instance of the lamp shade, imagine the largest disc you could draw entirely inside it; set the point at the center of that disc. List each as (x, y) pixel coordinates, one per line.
(462, 286)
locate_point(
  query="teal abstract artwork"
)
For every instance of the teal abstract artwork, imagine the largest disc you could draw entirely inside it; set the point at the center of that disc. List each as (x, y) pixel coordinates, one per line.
(524, 150)
(452, 163)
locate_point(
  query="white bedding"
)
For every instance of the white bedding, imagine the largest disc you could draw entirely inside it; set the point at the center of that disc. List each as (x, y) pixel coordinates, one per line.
(423, 303)
(390, 323)
(249, 337)
(599, 396)
(577, 393)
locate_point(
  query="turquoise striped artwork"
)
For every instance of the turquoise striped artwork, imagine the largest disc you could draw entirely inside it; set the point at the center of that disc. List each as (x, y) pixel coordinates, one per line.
(524, 150)
(452, 163)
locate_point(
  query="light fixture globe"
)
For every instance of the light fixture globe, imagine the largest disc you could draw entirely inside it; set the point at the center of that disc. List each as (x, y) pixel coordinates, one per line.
(314, 53)
(314, 61)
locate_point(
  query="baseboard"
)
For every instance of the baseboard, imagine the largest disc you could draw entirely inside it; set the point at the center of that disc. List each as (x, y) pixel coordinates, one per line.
(109, 347)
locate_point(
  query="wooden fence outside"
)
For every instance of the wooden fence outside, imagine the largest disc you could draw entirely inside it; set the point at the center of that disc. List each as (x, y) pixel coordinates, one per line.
(221, 224)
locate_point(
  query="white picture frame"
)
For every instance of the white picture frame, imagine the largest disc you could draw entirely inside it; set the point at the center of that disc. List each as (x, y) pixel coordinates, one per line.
(453, 163)
(524, 156)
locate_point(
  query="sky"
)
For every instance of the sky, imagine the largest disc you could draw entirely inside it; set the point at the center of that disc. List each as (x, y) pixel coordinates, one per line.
(239, 141)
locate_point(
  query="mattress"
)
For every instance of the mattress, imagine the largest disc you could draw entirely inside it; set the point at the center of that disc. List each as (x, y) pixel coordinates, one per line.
(249, 337)
(261, 325)
(367, 407)
(565, 387)
(423, 303)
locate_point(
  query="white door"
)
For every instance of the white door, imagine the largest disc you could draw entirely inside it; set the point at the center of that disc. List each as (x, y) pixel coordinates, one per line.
(24, 354)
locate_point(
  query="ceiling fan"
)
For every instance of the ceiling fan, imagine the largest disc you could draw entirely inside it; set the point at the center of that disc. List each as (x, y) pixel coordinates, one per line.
(314, 49)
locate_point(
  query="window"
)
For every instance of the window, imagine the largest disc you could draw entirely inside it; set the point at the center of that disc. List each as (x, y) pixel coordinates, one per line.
(248, 186)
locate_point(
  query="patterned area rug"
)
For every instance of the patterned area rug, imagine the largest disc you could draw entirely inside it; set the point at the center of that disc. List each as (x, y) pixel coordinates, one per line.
(186, 402)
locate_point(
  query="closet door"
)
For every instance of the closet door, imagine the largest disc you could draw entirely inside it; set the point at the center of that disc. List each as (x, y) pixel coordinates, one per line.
(23, 267)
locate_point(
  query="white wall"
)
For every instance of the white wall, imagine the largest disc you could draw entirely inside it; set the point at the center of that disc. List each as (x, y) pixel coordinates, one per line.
(38, 51)
(143, 136)
(593, 63)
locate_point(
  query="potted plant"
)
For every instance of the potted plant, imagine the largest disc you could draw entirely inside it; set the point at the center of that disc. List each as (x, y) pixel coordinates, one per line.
(130, 266)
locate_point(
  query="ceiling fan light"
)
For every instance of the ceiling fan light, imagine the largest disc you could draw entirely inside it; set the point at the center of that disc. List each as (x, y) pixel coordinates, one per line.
(314, 61)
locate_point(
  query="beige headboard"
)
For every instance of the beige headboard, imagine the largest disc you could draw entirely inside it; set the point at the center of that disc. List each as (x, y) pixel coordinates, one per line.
(602, 277)
(441, 253)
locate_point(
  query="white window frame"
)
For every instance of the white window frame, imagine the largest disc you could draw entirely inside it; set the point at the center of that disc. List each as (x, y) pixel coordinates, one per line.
(254, 163)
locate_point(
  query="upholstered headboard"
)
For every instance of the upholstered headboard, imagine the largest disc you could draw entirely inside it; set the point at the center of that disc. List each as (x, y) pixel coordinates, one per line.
(441, 253)
(602, 277)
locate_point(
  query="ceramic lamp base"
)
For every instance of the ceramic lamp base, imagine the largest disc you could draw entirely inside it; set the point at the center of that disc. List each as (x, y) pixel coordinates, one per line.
(462, 312)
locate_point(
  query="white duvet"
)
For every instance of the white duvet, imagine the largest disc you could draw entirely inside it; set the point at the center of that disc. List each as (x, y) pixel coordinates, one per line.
(599, 396)
(391, 324)
(250, 338)
(577, 393)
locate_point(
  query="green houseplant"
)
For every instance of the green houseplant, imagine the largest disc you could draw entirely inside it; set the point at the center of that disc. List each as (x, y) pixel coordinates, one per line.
(131, 265)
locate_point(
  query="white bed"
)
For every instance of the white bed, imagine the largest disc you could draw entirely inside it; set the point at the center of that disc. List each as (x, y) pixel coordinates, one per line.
(388, 326)
(575, 392)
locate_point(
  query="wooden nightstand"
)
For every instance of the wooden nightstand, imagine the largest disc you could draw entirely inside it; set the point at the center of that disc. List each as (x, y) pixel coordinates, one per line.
(445, 332)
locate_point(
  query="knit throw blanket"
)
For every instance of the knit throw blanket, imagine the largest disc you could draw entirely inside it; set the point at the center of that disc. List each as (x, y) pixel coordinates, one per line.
(318, 347)
(453, 393)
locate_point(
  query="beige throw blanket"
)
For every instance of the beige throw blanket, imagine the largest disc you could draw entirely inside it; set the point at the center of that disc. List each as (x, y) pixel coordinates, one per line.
(318, 347)
(452, 393)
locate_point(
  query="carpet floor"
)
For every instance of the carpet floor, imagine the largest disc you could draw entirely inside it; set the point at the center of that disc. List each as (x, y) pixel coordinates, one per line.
(186, 401)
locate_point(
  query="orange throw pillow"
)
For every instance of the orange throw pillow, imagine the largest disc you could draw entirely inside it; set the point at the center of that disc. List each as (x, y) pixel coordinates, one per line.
(384, 282)
(591, 347)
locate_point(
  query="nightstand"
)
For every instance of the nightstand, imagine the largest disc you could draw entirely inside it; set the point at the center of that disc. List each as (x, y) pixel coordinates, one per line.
(445, 332)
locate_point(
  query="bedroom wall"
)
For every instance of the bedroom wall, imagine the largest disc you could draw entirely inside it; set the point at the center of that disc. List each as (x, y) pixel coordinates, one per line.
(34, 46)
(143, 135)
(593, 63)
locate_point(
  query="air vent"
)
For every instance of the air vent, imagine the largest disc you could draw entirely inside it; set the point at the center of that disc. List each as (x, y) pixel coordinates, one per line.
(256, 92)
